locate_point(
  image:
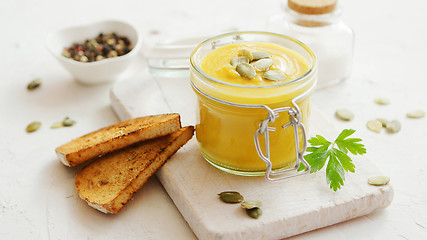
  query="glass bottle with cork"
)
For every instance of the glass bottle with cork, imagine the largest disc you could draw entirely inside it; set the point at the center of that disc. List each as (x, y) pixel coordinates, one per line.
(318, 24)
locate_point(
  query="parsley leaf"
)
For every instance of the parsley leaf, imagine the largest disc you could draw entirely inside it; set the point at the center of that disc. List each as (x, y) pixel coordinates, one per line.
(336, 156)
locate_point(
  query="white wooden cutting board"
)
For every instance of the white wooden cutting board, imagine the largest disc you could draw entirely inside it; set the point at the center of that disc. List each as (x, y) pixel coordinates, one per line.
(290, 207)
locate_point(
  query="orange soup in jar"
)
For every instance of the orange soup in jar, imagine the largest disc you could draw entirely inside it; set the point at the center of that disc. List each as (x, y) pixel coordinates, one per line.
(253, 93)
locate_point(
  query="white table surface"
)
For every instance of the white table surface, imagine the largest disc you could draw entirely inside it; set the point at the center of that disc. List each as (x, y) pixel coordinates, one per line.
(37, 196)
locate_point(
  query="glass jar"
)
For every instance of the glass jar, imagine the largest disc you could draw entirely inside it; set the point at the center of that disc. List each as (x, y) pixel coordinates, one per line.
(318, 24)
(253, 130)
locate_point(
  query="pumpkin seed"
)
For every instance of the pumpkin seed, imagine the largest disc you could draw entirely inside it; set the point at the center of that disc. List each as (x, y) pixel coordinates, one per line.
(378, 180)
(382, 101)
(260, 55)
(416, 114)
(374, 126)
(344, 114)
(246, 53)
(34, 84)
(236, 60)
(57, 125)
(254, 212)
(33, 126)
(67, 122)
(246, 70)
(274, 75)
(383, 121)
(263, 64)
(394, 126)
(231, 197)
(251, 204)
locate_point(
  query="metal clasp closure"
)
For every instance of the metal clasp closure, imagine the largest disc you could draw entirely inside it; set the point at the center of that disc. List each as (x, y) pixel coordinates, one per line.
(295, 120)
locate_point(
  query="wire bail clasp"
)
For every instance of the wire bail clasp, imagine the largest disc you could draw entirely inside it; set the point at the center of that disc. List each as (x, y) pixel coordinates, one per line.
(295, 120)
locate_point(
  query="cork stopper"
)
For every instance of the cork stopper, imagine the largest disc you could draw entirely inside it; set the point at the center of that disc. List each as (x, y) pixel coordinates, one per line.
(313, 7)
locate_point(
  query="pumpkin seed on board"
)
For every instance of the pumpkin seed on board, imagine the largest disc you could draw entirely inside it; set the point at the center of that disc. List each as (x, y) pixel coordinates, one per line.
(382, 101)
(260, 55)
(374, 126)
(246, 53)
(34, 84)
(251, 204)
(231, 197)
(416, 114)
(274, 75)
(254, 212)
(263, 64)
(32, 127)
(246, 70)
(378, 180)
(344, 114)
(394, 126)
(236, 60)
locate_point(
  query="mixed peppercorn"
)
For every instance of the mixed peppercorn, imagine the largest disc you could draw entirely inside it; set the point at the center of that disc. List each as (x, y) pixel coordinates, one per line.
(103, 46)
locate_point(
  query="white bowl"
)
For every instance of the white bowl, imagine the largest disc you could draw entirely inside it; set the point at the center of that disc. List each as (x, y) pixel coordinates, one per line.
(102, 71)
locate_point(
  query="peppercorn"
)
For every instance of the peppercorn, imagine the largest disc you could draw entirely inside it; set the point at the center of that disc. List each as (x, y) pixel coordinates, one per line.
(102, 46)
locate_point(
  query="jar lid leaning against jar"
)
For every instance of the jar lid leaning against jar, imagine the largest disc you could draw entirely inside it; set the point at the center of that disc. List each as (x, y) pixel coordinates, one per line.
(253, 93)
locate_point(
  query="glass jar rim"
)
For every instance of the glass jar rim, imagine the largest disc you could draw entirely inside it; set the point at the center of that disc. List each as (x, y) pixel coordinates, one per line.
(306, 75)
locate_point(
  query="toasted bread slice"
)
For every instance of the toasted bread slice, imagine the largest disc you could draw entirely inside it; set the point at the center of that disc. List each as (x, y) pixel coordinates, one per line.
(117, 136)
(109, 183)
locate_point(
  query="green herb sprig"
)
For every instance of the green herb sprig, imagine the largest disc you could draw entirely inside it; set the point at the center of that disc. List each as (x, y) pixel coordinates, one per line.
(336, 154)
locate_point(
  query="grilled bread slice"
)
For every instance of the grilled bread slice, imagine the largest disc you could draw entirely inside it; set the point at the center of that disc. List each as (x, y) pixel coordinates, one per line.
(117, 136)
(109, 183)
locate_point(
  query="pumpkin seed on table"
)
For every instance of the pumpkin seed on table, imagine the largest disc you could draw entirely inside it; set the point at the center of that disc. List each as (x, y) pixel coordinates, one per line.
(246, 53)
(251, 204)
(383, 121)
(382, 101)
(394, 126)
(34, 126)
(260, 55)
(67, 122)
(374, 125)
(246, 70)
(416, 114)
(274, 75)
(34, 84)
(237, 60)
(263, 64)
(231, 197)
(344, 114)
(254, 212)
(57, 125)
(378, 180)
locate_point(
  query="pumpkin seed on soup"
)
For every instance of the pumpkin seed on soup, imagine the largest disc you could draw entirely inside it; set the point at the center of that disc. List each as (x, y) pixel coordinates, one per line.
(263, 64)
(416, 114)
(378, 180)
(394, 126)
(32, 127)
(237, 60)
(374, 126)
(260, 55)
(231, 197)
(274, 75)
(246, 53)
(246, 70)
(344, 114)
